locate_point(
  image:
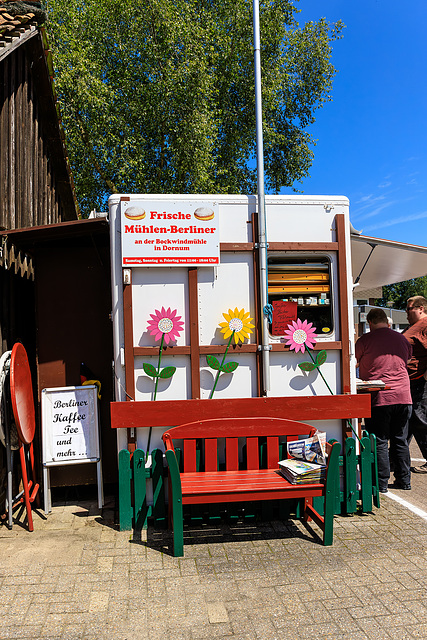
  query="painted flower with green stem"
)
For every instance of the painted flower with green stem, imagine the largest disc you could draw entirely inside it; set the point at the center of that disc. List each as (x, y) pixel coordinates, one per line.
(237, 326)
(165, 325)
(301, 336)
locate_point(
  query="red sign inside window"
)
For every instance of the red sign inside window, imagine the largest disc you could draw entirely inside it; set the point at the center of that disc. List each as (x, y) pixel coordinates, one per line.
(283, 314)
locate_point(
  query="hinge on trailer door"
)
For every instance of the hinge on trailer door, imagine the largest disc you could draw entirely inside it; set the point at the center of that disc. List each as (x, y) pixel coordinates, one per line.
(264, 347)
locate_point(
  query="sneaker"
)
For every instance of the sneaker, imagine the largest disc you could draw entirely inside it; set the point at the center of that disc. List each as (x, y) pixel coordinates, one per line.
(400, 485)
(422, 469)
(385, 490)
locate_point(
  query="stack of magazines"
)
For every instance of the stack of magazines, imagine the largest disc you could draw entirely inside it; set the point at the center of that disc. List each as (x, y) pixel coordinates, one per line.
(309, 449)
(300, 472)
(307, 460)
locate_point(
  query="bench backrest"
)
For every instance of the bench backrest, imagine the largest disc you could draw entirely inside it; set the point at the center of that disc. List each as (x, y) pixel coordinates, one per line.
(165, 413)
(272, 433)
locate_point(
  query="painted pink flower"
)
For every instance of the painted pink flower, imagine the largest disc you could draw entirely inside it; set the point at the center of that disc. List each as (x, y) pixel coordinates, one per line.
(165, 322)
(299, 335)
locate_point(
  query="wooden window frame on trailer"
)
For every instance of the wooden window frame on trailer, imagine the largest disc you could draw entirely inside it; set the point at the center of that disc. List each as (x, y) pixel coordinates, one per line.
(195, 349)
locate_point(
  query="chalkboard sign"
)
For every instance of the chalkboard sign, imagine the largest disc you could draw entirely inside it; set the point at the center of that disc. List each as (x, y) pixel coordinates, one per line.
(70, 425)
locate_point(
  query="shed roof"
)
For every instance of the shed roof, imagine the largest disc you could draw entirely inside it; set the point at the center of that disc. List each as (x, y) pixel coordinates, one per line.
(21, 22)
(18, 20)
(30, 238)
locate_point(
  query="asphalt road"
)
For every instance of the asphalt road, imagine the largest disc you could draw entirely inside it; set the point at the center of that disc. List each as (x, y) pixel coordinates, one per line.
(417, 497)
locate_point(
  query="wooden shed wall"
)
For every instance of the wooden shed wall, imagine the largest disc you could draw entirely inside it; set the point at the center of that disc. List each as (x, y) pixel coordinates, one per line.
(34, 180)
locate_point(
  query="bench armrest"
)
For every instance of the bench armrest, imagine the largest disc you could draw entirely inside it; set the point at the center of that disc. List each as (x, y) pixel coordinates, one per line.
(175, 502)
(174, 475)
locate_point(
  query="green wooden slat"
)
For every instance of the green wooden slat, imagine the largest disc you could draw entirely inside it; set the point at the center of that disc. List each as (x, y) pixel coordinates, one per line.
(366, 474)
(375, 485)
(350, 476)
(338, 498)
(299, 508)
(334, 487)
(340, 508)
(125, 501)
(332, 481)
(176, 497)
(318, 504)
(140, 490)
(158, 480)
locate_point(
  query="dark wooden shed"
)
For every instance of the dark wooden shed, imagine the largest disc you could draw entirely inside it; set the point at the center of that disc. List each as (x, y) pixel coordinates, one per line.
(35, 179)
(54, 268)
(72, 307)
(36, 185)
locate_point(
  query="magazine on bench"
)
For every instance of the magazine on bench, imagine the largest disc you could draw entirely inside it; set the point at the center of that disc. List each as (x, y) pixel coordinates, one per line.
(310, 449)
(300, 472)
(307, 460)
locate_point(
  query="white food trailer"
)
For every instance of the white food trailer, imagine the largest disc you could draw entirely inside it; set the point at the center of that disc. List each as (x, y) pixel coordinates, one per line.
(179, 262)
(198, 255)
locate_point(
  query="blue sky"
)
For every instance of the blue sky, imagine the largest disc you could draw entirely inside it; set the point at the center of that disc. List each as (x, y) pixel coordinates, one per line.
(372, 140)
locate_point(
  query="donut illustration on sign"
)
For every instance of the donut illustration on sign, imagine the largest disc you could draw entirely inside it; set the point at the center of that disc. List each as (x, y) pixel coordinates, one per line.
(135, 213)
(204, 214)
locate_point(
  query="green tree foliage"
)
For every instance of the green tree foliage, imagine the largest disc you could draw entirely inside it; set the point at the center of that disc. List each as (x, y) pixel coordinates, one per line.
(157, 96)
(400, 292)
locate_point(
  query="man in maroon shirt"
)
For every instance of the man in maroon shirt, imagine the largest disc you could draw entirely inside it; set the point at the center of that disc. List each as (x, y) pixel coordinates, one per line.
(416, 334)
(383, 354)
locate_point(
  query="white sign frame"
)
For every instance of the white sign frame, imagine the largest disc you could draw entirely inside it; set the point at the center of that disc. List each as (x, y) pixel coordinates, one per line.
(70, 432)
(169, 233)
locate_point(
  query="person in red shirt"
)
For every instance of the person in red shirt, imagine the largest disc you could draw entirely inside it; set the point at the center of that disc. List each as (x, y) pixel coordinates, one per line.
(416, 334)
(383, 354)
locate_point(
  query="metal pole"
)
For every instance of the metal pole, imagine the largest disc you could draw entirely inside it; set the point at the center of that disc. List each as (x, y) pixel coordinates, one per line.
(262, 238)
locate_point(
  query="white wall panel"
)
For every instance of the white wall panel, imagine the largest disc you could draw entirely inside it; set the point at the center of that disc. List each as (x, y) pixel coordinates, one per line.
(239, 384)
(235, 220)
(287, 379)
(154, 288)
(229, 286)
(175, 388)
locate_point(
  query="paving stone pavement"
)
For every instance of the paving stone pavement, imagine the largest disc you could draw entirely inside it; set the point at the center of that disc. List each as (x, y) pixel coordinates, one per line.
(77, 577)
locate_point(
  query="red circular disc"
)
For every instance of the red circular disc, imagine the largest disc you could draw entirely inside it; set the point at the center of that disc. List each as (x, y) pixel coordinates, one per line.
(21, 390)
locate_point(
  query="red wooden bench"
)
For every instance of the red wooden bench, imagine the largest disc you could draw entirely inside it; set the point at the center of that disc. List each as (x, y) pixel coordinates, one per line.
(237, 484)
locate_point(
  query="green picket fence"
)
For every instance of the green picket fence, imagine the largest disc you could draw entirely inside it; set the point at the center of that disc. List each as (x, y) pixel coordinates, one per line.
(360, 475)
(134, 509)
(359, 490)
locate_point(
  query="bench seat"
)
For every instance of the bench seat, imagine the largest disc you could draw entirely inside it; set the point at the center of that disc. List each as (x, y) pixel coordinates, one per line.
(254, 444)
(240, 486)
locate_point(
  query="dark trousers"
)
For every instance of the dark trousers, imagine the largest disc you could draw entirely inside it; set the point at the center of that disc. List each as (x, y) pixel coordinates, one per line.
(418, 419)
(390, 422)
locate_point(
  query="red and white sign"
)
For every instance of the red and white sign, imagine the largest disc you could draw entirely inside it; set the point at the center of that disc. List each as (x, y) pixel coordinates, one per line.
(164, 233)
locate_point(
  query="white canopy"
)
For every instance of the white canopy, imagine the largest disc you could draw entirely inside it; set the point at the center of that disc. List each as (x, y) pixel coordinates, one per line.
(377, 262)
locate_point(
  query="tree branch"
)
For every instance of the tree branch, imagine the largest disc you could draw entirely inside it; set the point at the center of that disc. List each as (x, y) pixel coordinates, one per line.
(86, 141)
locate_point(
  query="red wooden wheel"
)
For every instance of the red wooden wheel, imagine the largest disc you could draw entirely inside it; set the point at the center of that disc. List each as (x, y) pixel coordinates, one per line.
(21, 390)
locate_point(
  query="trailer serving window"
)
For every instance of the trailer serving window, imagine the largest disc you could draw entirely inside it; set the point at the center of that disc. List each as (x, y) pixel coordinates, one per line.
(306, 282)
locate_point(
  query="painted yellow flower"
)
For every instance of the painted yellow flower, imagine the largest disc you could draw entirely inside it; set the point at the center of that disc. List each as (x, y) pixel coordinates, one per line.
(238, 322)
